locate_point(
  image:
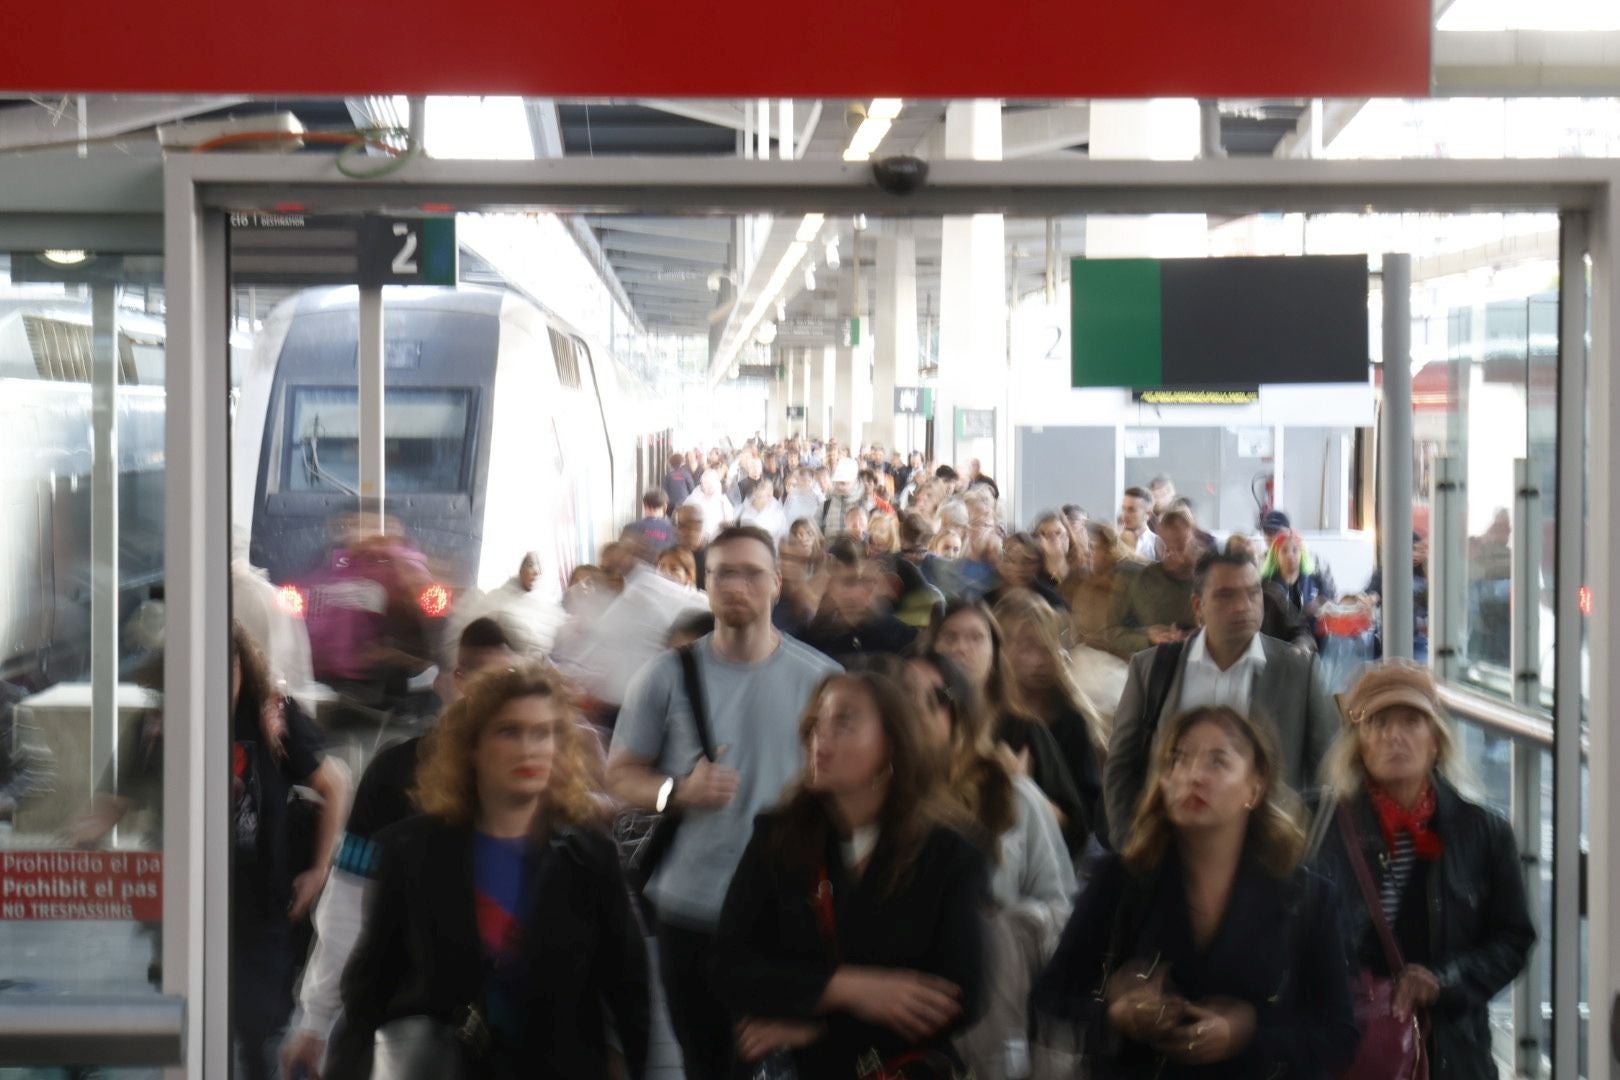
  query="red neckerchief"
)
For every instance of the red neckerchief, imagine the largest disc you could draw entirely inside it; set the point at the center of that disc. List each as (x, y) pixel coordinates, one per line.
(1392, 818)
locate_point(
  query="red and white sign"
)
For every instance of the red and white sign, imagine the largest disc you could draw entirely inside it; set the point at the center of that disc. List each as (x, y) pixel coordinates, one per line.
(75, 885)
(725, 48)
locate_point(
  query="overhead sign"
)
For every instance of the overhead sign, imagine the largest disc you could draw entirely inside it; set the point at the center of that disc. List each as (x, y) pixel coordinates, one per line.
(296, 249)
(930, 49)
(81, 885)
(1214, 324)
(408, 250)
(795, 412)
(759, 371)
(914, 401)
(975, 424)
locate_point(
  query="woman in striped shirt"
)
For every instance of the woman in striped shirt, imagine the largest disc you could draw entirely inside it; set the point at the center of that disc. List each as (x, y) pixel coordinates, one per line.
(1446, 868)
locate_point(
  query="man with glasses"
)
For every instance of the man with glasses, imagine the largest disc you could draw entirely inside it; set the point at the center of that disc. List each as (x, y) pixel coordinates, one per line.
(1227, 662)
(755, 685)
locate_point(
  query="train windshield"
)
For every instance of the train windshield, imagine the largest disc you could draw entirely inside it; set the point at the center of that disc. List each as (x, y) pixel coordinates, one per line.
(427, 433)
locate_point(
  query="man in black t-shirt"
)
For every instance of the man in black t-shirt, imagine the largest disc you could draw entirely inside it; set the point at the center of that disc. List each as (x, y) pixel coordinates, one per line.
(383, 798)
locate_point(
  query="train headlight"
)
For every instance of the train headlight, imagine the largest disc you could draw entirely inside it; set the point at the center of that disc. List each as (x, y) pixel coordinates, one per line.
(292, 601)
(434, 601)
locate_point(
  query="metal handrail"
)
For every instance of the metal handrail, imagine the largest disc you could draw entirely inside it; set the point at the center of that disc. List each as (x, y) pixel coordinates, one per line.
(1501, 717)
(91, 1029)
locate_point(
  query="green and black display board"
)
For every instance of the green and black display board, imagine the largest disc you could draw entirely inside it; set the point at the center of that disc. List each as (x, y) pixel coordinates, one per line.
(1218, 323)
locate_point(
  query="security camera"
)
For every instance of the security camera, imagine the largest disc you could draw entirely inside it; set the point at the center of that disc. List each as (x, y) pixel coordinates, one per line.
(900, 175)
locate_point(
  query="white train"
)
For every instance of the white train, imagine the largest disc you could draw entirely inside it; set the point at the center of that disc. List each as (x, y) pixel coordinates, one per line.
(45, 481)
(505, 432)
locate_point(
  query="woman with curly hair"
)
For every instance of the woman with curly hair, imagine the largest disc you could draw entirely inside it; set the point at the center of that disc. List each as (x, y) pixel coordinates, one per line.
(500, 913)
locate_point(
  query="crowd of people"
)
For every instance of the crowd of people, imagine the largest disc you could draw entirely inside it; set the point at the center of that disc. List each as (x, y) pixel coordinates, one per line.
(877, 786)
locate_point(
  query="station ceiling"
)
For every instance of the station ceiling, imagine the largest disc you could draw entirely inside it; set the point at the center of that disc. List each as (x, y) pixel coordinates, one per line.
(678, 275)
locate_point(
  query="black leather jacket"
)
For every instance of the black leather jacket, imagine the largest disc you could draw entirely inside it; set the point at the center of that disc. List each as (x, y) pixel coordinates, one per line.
(1480, 932)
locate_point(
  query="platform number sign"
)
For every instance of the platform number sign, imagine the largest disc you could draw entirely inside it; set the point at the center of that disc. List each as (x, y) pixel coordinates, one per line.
(408, 251)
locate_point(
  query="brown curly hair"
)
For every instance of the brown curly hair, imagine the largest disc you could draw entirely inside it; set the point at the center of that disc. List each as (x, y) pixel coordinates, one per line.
(447, 783)
(1276, 837)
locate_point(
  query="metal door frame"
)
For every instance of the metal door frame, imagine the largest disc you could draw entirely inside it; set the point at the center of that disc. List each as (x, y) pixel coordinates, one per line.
(198, 189)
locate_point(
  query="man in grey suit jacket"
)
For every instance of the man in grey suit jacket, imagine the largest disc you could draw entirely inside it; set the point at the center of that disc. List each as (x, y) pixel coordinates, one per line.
(1228, 662)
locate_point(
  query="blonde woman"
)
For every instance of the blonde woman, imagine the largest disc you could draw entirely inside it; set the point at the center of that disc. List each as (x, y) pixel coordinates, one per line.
(501, 911)
(883, 535)
(1204, 949)
(1045, 682)
(1447, 870)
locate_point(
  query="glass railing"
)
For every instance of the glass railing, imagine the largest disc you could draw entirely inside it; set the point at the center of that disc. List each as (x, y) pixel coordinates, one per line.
(1508, 761)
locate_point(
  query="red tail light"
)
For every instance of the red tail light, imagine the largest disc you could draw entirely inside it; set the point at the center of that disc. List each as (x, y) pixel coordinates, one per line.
(434, 601)
(292, 601)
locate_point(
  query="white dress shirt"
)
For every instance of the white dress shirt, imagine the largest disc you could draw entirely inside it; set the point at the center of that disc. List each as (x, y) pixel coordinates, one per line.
(1149, 546)
(1204, 683)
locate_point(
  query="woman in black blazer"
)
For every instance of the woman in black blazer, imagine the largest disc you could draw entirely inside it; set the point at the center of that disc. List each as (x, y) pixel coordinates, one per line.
(501, 911)
(852, 936)
(1203, 949)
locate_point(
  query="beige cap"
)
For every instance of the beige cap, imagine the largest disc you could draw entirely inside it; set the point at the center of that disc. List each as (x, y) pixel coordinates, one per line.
(1390, 683)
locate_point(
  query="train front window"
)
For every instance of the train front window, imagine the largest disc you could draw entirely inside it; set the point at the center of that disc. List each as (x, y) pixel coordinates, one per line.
(426, 434)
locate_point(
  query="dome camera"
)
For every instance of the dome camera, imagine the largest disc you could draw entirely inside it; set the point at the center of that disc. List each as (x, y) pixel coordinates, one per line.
(900, 175)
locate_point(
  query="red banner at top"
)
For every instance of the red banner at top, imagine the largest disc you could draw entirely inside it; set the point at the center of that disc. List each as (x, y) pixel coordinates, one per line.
(725, 48)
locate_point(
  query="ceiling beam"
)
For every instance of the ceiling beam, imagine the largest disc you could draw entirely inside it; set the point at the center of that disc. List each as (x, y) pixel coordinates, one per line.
(638, 244)
(1505, 63)
(719, 112)
(56, 121)
(708, 230)
(1029, 132)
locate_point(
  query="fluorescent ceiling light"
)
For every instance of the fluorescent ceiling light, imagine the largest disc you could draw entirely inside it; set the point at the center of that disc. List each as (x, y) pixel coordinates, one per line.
(880, 116)
(809, 227)
(63, 257)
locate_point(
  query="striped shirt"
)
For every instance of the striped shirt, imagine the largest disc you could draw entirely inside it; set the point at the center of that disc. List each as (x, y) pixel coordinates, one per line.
(1397, 872)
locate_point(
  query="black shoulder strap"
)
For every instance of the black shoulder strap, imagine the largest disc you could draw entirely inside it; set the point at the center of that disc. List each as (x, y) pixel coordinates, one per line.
(1160, 676)
(694, 694)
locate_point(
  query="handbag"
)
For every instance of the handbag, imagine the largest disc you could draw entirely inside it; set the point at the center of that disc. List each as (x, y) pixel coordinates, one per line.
(424, 1048)
(659, 836)
(1391, 1048)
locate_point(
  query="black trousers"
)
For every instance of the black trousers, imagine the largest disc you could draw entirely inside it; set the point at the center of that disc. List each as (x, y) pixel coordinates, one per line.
(702, 1025)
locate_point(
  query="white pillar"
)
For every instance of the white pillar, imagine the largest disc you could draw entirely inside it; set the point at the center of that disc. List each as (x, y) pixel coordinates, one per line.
(807, 369)
(818, 391)
(972, 301)
(790, 389)
(827, 366)
(845, 425)
(775, 405)
(894, 333)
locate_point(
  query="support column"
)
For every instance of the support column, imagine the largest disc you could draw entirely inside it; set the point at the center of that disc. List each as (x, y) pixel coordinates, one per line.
(373, 490)
(776, 404)
(816, 392)
(1395, 458)
(103, 536)
(894, 333)
(972, 303)
(791, 384)
(827, 368)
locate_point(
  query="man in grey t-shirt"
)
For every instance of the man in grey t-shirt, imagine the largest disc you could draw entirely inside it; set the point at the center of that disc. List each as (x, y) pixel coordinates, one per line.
(756, 685)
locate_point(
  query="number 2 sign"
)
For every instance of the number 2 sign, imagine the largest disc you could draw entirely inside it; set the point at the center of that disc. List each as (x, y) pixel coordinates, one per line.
(408, 251)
